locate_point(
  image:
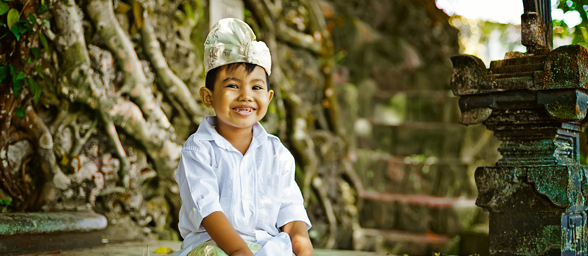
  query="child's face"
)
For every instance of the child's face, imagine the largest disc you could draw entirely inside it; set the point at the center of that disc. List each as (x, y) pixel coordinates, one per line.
(239, 99)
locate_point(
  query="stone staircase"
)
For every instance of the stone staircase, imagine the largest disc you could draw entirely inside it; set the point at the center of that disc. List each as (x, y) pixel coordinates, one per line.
(417, 172)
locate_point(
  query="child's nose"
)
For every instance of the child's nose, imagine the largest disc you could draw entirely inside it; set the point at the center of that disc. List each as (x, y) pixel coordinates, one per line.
(245, 95)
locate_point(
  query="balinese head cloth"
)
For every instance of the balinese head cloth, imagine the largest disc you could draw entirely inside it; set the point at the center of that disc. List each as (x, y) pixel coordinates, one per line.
(232, 40)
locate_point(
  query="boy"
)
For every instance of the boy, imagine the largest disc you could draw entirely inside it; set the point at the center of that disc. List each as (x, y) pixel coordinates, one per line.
(236, 180)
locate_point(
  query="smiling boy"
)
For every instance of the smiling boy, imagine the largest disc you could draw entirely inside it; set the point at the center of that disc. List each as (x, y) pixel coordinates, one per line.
(236, 180)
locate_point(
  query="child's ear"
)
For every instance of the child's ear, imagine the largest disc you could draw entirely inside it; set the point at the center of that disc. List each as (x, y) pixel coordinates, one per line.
(271, 95)
(206, 96)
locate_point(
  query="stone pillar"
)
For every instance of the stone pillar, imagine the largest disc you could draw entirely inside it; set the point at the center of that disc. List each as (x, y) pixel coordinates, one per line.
(220, 9)
(536, 104)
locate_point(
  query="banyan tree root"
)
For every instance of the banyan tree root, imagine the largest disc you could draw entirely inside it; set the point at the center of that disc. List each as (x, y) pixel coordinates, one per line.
(135, 82)
(172, 85)
(78, 82)
(54, 179)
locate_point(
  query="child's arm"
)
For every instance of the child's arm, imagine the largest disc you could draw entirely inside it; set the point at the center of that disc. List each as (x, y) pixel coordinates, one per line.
(301, 244)
(222, 232)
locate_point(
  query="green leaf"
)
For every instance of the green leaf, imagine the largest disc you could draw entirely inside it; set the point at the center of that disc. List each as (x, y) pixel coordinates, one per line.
(44, 42)
(12, 70)
(14, 30)
(24, 25)
(12, 18)
(36, 53)
(19, 112)
(36, 89)
(17, 80)
(32, 18)
(3, 74)
(43, 9)
(20, 76)
(3, 8)
(17, 84)
(40, 72)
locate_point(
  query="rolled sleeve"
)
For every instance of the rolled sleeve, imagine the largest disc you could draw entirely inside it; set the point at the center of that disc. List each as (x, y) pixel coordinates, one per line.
(292, 207)
(198, 185)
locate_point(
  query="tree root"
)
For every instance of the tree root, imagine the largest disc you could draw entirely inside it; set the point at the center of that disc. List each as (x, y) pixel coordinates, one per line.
(78, 83)
(302, 40)
(174, 88)
(125, 165)
(80, 141)
(135, 82)
(303, 144)
(324, 196)
(54, 178)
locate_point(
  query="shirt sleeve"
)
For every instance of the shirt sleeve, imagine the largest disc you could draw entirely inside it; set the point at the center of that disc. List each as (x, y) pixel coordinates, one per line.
(292, 207)
(198, 184)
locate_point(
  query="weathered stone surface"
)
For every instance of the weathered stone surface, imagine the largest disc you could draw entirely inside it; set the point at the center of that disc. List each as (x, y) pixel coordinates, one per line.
(37, 223)
(535, 103)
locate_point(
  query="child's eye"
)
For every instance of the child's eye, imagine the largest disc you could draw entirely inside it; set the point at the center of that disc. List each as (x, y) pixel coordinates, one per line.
(257, 87)
(231, 86)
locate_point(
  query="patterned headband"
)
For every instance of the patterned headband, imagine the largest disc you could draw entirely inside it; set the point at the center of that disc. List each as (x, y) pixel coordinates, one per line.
(232, 40)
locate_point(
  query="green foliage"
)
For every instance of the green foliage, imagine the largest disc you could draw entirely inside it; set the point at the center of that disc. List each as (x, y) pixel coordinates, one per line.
(3, 8)
(13, 22)
(3, 74)
(12, 18)
(579, 33)
(18, 79)
(19, 112)
(43, 9)
(5, 202)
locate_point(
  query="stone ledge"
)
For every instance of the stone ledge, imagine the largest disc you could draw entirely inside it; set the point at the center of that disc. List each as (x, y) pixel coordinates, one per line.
(39, 223)
(143, 248)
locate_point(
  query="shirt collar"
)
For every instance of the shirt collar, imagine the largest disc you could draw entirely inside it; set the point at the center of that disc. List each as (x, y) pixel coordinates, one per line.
(206, 131)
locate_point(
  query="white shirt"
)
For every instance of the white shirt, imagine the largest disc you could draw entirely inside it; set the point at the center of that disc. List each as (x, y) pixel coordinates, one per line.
(256, 191)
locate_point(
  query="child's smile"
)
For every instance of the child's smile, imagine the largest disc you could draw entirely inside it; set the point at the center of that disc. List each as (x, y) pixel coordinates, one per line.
(244, 110)
(239, 99)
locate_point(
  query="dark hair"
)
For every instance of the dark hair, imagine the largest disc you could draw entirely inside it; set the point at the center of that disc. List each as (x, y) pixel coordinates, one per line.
(213, 73)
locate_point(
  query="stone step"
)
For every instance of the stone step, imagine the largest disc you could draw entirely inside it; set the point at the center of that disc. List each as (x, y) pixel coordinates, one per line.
(418, 213)
(422, 175)
(144, 248)
(416, 106)
(442, 140)
(399, 242)
(34, 232)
